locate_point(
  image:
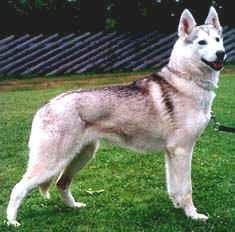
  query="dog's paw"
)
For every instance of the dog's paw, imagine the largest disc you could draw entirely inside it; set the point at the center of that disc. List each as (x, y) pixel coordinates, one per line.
(13, 223)
(47, 196)
(78, 205)
(199, 216)
(191, 212)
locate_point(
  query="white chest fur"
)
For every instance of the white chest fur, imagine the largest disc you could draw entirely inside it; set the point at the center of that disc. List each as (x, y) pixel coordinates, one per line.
(200, 117)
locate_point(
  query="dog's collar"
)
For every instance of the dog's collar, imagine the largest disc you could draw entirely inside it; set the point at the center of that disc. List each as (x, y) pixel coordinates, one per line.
(204, 84)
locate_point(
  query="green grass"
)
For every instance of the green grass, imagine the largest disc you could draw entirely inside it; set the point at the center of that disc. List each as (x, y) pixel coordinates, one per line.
(134, 197)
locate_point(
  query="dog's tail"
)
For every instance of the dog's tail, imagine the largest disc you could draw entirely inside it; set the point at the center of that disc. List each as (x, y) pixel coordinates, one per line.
(44, 189)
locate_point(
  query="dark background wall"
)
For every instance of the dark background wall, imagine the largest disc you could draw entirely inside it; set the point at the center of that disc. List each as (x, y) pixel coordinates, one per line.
(65, 16)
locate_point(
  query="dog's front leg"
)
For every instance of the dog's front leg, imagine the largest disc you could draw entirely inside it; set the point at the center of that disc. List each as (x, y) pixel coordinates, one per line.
(178, 175)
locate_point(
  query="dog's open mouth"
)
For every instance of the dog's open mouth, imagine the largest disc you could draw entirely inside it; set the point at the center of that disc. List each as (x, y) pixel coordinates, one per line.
(216, 65)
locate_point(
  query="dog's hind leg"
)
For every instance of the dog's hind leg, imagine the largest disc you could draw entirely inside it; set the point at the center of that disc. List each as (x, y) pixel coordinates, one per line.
(64, 180)
(36, 174)
(178, 175)
(44, 189)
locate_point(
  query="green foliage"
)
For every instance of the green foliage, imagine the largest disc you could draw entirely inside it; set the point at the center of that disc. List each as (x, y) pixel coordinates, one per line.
(41, 16)
(134, 196)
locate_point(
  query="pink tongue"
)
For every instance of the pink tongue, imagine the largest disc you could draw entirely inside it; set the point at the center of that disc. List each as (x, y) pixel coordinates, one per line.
(217, 65)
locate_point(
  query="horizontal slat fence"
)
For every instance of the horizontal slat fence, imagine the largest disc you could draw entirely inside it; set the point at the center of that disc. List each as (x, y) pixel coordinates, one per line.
(90, 52)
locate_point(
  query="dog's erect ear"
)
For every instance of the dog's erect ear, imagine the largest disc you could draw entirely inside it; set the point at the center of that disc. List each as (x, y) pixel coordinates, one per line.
(213, 19)
(187, 23)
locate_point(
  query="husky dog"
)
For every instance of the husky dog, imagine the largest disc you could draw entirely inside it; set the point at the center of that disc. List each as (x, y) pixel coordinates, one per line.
(165, 111)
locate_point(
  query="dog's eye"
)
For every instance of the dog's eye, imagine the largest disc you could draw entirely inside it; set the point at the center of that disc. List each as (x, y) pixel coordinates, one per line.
(217, 39)
(202, 42)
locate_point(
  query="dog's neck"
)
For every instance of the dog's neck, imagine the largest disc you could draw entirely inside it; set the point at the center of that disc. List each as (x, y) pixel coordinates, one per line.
(202, 92)
(205, 80)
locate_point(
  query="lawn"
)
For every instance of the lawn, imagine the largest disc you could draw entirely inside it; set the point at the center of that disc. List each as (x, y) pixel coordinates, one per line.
(133, 194)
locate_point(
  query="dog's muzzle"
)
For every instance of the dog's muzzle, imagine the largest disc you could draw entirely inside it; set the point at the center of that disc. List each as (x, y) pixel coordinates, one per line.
(218, 63)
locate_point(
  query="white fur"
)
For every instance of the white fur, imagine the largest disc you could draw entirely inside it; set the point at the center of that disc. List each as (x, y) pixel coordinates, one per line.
(213, 19)
(187, 23)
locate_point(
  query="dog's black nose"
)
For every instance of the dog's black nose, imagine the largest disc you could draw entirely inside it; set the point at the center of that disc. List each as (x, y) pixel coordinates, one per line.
(220, 54)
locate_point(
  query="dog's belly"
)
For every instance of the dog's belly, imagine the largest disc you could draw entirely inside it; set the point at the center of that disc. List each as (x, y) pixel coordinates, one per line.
(137, 139)
(144, 144)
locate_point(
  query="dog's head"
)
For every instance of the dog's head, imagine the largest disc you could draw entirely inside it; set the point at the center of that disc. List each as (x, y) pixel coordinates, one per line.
(202, 44)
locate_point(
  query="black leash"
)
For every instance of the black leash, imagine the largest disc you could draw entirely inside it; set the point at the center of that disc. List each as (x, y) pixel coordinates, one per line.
(218, 127)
